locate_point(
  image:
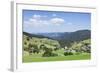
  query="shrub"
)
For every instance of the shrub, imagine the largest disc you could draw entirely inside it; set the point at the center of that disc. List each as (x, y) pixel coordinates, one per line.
(68, 53)
(49, 54)
(55, 49)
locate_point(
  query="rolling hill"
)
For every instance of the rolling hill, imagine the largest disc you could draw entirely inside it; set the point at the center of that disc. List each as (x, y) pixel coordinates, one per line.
(64, 38)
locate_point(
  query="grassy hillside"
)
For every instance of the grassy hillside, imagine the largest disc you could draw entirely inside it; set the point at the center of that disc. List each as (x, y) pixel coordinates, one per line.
(40, 48)
(66, 38)
(39, 41)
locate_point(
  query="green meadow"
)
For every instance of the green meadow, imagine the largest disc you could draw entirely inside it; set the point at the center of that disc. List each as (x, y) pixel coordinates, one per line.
(37, 58)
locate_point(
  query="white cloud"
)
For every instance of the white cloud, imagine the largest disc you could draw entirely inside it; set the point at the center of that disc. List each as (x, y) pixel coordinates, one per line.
(36, 16)
(38, 20)
(57, 21)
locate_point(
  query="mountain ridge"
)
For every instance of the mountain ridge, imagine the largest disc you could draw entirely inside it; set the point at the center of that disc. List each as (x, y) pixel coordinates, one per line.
(64, 38)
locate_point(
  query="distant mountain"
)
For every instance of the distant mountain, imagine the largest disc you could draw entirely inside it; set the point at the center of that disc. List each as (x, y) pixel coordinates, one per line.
(34, 35)
(74, 37)
(64, 38)
(77, 35)
(52, 35)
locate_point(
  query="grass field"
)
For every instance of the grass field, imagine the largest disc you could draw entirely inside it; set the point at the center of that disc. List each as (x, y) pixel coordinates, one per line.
(36, 58)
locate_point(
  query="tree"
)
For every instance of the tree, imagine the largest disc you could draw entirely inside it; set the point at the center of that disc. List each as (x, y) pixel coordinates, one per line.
(68, 52)
(36, 49)
(25, 42)
(28, 38)
(47, 51)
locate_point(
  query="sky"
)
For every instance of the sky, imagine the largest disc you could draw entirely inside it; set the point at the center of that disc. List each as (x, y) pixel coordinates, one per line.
(35, 21)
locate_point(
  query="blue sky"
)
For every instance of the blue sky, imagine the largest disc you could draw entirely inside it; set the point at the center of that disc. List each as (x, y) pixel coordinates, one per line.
(35, 21)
